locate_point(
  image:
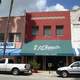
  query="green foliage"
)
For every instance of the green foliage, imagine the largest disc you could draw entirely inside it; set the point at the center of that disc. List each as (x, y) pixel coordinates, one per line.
(35, 65)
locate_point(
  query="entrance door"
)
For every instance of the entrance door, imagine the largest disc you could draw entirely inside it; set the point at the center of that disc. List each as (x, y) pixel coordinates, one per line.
(40, 61)
(57, 61)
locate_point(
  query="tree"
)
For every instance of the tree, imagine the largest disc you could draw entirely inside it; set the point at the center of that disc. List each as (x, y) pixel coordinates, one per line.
(35, 66)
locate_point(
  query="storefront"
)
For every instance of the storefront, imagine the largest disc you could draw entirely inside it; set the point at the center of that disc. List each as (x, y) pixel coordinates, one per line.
(48, 51)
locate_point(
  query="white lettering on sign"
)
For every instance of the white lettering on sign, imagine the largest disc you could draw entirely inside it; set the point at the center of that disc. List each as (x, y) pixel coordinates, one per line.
(45, 47)
(8, 45)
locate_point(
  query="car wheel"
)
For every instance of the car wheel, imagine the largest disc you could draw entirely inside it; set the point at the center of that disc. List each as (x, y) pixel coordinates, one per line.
(64, 74)
(15, 71)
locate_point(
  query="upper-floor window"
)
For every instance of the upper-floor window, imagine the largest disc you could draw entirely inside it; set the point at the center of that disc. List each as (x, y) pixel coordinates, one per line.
(47, 30)
(1, 37)
(35, 30)
(59, 30)
(11, 37)
(14, 37)
(18, 36)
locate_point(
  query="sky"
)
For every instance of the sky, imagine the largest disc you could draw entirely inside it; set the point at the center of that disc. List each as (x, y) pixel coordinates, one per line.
(22, 6)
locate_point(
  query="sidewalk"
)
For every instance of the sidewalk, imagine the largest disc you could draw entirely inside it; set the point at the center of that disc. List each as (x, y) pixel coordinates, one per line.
(45, 73)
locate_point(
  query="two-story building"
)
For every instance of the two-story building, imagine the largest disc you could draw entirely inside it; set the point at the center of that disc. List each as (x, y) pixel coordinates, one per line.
(12, 32)
(48, 38)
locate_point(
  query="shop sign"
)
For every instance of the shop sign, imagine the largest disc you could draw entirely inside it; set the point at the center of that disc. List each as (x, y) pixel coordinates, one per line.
(46, 47)
(8, 45)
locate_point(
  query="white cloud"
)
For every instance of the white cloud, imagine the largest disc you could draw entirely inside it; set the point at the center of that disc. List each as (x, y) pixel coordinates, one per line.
(41, 4)
(75, 7)
(57, 7)
(36, 5)
(19, 7)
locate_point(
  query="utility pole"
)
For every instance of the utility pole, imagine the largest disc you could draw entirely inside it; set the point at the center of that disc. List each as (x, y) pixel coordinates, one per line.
(7, 28)
(0, 1)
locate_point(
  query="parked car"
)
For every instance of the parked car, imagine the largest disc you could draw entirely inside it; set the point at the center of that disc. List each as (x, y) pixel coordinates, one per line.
(8, 65)
(73, 68)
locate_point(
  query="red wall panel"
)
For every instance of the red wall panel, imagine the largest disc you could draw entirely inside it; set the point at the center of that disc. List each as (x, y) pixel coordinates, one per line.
(51, 22)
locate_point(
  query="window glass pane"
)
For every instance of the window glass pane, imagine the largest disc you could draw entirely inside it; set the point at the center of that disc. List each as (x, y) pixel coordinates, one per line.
(2, 61)
(11, 37)
(1, 37)
(10, 61)
(18, 36)
(47, 30)
(18, 60)
(35, 30)
(59, 30)
(75, 65)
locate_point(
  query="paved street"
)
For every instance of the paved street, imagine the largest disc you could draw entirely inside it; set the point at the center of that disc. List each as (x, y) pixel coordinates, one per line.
(42, 75)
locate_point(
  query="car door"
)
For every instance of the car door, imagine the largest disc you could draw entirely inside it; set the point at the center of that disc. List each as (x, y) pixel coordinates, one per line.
(74, 68)
(9, 65)
(79, 68)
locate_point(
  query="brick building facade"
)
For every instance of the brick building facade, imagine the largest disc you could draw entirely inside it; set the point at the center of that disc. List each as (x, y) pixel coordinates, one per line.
(48, 38)
(13, 33)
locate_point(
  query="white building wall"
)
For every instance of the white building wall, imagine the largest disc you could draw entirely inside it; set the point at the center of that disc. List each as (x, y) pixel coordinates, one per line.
(75, 30)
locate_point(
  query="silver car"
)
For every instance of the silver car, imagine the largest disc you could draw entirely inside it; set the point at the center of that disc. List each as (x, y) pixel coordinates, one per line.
(73, 68)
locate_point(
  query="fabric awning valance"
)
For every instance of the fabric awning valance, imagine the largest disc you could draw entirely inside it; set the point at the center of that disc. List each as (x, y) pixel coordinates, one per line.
(48, 48)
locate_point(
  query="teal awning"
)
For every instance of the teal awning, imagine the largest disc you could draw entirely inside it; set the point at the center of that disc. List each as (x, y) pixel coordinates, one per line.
(47, 48)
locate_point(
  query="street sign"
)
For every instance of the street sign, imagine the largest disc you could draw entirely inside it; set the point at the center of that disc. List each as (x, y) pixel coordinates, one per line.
(49, 64)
